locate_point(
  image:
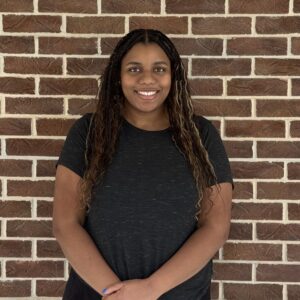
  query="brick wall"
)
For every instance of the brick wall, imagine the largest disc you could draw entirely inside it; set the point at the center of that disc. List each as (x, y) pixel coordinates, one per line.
(243, 65)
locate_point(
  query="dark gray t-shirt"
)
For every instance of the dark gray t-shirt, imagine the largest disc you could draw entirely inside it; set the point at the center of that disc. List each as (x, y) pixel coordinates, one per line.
(143, 211)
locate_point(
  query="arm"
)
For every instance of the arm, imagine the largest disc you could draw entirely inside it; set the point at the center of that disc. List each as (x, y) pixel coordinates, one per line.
(212, 232)
(75, 242)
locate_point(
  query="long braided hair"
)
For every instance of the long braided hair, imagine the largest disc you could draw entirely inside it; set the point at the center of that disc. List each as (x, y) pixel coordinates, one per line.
(106, 121)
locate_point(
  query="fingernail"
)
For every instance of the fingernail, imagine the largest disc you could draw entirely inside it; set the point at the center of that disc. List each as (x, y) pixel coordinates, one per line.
(104, 290)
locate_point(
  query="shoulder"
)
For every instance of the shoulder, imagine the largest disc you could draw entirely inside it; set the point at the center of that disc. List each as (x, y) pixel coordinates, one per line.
(84, 120)
(80, 128)
(82, 124)
(205, 127)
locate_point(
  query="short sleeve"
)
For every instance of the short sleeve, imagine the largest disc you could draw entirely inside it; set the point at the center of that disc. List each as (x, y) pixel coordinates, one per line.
(72, 154)
(216, 151)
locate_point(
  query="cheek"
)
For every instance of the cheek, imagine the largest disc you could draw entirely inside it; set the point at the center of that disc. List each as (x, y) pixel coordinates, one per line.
(167, 83)
(127, 82)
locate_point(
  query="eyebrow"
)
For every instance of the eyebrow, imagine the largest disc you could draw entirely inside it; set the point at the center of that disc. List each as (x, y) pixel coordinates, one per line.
(138, 63)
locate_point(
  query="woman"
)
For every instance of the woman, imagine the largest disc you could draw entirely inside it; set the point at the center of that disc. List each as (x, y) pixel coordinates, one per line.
(143, 186)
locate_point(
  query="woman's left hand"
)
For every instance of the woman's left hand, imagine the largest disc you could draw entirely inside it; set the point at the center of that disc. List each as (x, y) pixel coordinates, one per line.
(135, 289)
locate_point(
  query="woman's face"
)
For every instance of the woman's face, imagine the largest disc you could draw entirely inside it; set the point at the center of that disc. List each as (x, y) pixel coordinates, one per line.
(145, 78)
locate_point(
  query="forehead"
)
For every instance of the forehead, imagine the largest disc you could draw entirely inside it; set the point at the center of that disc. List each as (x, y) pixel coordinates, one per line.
(146, 52)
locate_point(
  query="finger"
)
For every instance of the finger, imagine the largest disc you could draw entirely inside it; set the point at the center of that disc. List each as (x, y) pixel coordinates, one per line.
(112, 288)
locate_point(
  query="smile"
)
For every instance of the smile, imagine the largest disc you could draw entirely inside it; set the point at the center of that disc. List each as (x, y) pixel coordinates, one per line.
(147, 93)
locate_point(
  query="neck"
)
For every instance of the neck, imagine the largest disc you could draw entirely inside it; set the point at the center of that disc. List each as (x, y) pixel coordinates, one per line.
(148, 121)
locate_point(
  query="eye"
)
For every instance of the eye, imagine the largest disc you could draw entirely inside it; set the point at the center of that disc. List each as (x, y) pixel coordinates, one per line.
(160, 69)
(133, 69)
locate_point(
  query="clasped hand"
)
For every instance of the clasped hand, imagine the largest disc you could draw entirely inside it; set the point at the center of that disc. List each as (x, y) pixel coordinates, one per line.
(135, 289)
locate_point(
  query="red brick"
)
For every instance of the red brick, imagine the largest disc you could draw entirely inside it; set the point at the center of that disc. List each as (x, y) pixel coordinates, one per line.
(220, 25)
(15, 288)
(61, 45)
(185, 62)
(214, 290)
(240, 231)
(49, 249)
(278, 231)
(54, 127)
(237, 291)
(27, 23)
(297, 9)
(14, 85)
(33, 65)
(198, 46)
(185, 46)
(31, 106)
(295, 128)
(222, 107)
(293, 292)
(240, 149)
(129, 7)
(45, 168)
(50, 288)
(274, 66)
(259, 6)
(169, 25)
(68, 6)
(40, 188)
(274, 25)
(206, 87)
(220, 67)
(12, 167)
(295, 87)
(278, 273)
(293, 170)
(243, 190)
(16, 6)
(44, 208)
(15, 209)
(253, 128)
(256, 211)
(278, 149)
(32, 269)
(293, 252)
(16, 44)
(295, 45)
(81, 106)
(107, 44)
(43, 147)
(13, 126)
(257, 46)
(277, 108)
(14, 248)
(195, 7)
(96, 25)
(243, 169)
(252, 251)
(71, 86)
(294, 211)
(86, 66)
(232, 271)
(278, 190)
(257, 87)
(19, 228)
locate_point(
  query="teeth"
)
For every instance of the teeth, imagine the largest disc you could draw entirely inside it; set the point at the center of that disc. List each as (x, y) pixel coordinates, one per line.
(147, 93)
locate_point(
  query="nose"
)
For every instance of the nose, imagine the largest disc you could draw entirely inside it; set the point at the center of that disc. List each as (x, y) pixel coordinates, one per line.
(146, 78)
